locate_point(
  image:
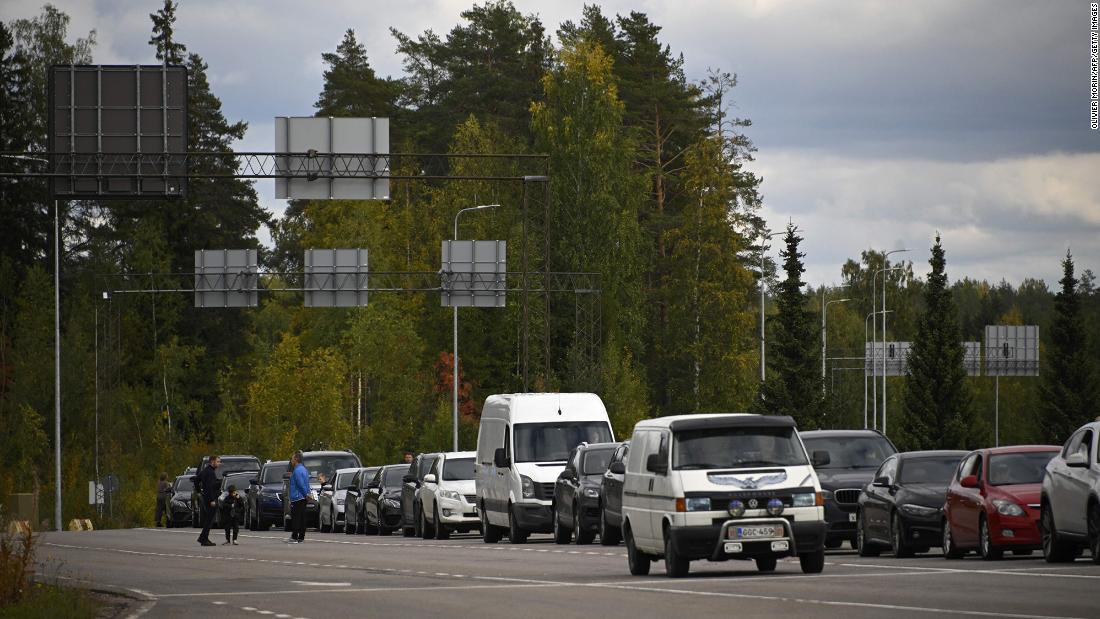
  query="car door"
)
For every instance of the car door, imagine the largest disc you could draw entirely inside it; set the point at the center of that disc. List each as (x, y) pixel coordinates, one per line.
(877, 501)
(613, 487)
(662, 499)
(1061, 481)
(1077, 488)
(351, 500)
(565, 488)
(967, 502)
(429, 488)
(370, 499)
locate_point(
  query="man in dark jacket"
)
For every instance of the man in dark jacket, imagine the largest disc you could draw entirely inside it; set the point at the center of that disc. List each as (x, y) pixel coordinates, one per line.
(210, 488)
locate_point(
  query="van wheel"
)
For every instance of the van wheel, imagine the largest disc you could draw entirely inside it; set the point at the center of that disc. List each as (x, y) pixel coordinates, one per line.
(636, 560)
(490, 533)
(561, 534)
(766, 563)
(675, 565)
(516, 535)
(609, 535)
(1054, 549)
(812, 562)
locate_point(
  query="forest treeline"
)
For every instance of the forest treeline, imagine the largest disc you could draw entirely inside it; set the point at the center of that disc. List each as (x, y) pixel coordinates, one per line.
(651, 187)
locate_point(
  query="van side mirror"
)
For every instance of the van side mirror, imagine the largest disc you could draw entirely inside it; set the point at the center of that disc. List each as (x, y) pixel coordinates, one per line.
(500, 459)
(656, 463)
(1077, 460)
(429, 478)
(617, 468)
(821, 457)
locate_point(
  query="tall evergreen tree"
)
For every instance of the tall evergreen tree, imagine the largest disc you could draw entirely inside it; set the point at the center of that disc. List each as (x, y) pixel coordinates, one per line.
(937, 398)
(351, 87)
(793, 385)
(1069, 376)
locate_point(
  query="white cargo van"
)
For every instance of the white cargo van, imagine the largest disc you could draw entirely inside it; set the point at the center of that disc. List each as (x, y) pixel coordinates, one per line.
(721, 487)
(522, 446)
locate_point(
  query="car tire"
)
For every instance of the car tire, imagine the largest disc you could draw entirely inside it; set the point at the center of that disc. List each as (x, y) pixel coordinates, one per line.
(562, 535)
(950, 550)
(1054, 549)
(583, 536)
(441, 532)
(637, 561)
(1094, 531)
(426, 530)
(490, 533)
(321, 527)
(676, 566)
(609, 535)
(812, 562)
(766, 563)
(986, 549)
(864, 547)
(348, 529)
(516, 535)
(902, 550)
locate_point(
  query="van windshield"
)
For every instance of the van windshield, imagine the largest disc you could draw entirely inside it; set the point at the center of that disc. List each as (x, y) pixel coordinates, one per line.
(717, 448)
(552, 442)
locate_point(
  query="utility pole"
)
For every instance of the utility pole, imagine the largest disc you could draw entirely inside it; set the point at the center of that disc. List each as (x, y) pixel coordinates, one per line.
(824, 338)
(885, 261)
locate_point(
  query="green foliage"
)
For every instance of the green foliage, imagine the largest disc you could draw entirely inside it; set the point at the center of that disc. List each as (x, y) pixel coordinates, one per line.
(623, 389)
(351, 86)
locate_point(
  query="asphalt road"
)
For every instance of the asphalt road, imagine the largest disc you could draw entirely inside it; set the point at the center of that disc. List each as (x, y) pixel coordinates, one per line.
(334, 575)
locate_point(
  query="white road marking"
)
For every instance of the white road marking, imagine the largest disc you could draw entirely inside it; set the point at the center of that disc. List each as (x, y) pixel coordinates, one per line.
(310, 583)
(953, 570)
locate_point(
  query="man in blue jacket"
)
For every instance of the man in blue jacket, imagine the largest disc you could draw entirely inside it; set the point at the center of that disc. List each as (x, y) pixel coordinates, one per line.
(210, 487)
(299, 495)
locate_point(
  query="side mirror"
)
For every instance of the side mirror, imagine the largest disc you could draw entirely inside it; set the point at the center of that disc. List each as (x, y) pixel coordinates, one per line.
(254, 482)
(500, 459)
(881, 482)
(1077, 460)
(409, 479)
(617, 468)
(970, 481)
(821, 457)
(429, 478)
(326, 487)
(372, 485)
(656, 463)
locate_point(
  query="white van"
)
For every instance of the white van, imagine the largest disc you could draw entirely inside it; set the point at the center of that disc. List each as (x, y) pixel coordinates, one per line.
(721, 487)
(522, 446)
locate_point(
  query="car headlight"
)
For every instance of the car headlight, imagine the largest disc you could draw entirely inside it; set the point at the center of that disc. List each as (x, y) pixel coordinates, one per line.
(528, 487)
(804, 499)
(919, 511)
(450, 494)
(1007, 508)
(592, 493)
(339, 501)
(697, 504)
(775, 507)
(391, 502)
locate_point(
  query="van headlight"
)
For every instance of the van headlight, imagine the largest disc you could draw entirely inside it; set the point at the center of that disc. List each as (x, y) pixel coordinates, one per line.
(528, 487)
(697, 504)
(775, 507)
(804, 499)
(737, 508)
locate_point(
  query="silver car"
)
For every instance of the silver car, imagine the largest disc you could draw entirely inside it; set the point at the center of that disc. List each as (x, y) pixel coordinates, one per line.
(1070, 503)
(332, 498)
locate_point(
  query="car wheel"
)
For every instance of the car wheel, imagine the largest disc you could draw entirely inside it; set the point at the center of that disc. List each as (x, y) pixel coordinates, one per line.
(902, 550)
(766, 563)
(1094, 532)
(812, 562)
(950, 551)
(675, 565)
(985, 543)
(865, 547)
(636, 560)
(417, 521)
(609, 535)
(441, 531)
(516, 535)
(426, 531)
(490, 533)
(583, 535)
(1054, 549)
(561, 534)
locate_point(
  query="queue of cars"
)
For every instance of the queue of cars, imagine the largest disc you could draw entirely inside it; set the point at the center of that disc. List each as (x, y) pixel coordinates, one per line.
(717, 487)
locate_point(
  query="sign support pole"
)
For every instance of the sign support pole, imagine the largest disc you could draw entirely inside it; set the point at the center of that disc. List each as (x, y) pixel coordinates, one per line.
(57, 362)
(997, 410)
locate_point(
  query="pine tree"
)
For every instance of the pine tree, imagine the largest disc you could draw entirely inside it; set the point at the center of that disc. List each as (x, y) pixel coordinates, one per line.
(351, 87)
(1069, 375)
(793, 385)
(937, 397)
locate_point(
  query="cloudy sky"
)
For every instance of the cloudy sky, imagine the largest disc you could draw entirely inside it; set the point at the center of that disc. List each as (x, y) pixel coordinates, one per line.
(877, 123)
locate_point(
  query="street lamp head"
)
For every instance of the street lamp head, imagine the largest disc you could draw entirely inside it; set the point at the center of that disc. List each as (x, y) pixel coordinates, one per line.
(483, 206)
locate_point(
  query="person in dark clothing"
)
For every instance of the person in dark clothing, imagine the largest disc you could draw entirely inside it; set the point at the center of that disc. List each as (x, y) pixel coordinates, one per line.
(299, 496)
(232, 509)
(164, 494)
(209, 487)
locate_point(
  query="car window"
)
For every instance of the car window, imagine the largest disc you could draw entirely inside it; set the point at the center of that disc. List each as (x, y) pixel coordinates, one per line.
(928, 470)
(887, 469)
(1018, 468)
(457, 469)
(965, 466)
(394, 477)
(343, 480)
(1085, 444)
(850, 452)
(273, 474)
(596, 461)
(1073, 444)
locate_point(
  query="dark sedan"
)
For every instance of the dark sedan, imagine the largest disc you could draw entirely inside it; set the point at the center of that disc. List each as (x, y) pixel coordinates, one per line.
(179, 506)
(577, 493)
(353, 500)
(611, 497)
(264, 505)
(382, 500)
(410, 493)
(902, 507)
(845, 461)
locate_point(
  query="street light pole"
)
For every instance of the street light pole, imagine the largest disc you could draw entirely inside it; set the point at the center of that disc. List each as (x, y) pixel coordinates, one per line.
(762, 279)
(874, 343)
(884, 262)
(454, 387)
(865, 341)
(824, 338)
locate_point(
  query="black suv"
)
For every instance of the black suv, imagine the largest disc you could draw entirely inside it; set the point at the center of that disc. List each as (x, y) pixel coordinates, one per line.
(845, 461)
(577, 492)
(410, 495)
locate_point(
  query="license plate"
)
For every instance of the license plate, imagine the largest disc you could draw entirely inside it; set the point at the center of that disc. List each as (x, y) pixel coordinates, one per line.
(754, 532)
(851, 517)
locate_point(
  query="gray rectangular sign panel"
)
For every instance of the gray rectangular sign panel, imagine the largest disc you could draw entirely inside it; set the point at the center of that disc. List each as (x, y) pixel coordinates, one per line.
(474, 273)
(972, 358)
(226, 278)
(108, 125)
(361, 178)
(1012, 350)
(336, 277)
(896, 355)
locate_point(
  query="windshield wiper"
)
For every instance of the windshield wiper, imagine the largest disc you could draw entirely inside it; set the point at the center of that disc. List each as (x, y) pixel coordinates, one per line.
(698, 465)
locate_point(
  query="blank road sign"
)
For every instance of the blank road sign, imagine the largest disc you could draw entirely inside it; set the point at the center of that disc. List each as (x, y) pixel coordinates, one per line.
(226, 278)
(474, 273)
(1012, 350)
(336, 277)
(896, 355)
(358, 178)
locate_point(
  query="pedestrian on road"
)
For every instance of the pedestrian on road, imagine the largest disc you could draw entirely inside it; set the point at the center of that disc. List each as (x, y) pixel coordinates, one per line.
(164, 493)
(209, 487)
(299, 495)
(232, 509)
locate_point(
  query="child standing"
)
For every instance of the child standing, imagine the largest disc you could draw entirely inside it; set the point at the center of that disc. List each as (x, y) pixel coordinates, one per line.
(232, 510)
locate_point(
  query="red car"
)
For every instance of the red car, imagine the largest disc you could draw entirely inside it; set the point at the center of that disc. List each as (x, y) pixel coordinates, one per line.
(993, 502)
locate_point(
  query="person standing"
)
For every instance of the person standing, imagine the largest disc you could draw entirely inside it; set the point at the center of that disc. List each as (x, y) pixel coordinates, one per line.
(164, 493)
(232, 509)
(299, 495)
(209, 487)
